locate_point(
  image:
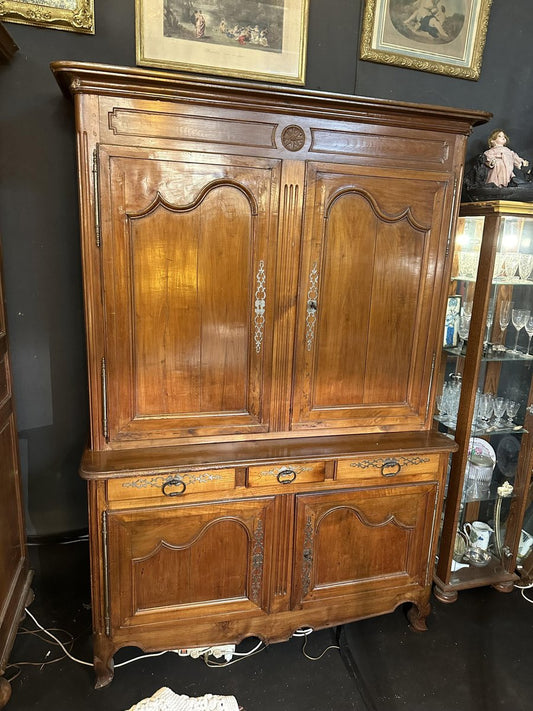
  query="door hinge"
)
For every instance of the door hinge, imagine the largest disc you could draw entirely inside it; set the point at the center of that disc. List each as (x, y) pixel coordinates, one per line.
(106, 574)
(103, 375)
(96, 168)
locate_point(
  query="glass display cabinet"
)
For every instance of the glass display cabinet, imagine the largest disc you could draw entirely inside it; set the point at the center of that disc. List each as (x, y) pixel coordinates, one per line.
(485, 401)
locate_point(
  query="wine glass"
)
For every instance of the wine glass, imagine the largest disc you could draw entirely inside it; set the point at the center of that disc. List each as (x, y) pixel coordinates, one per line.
(519, 318)
(512, 408)
(529, 330)
(485, 408)
(462, 331)
(499, 404)
(490, 319)
(505, 316)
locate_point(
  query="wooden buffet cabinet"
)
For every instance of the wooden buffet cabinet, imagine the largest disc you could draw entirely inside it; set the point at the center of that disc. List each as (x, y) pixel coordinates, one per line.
(265, 275)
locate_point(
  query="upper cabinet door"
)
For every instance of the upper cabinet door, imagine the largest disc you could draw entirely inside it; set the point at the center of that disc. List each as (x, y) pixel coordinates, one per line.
(369, 296)
(188, 257)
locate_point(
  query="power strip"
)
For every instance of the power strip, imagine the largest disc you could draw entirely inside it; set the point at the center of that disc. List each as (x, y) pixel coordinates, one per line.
(220, 650)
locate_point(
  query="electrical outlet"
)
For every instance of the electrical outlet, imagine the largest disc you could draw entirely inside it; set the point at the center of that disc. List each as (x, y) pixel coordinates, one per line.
(219, 651)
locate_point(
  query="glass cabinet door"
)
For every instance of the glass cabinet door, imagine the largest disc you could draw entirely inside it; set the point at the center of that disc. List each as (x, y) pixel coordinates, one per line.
(485, 401)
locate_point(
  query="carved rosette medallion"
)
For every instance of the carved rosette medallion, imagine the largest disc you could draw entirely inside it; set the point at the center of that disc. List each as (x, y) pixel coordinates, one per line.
(293, 138)
(257, 562)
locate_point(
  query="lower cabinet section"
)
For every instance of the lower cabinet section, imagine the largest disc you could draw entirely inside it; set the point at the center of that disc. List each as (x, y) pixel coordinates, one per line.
(356, 542)
(188, 560)
(178, 567)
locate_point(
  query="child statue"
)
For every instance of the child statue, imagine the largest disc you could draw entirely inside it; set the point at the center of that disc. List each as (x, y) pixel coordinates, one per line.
(501, 161)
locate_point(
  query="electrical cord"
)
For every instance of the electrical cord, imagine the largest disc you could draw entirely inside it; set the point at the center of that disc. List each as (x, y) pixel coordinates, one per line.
(522, 589)
(67, 653)
(316, 659)
(259, 647)
(57, 641)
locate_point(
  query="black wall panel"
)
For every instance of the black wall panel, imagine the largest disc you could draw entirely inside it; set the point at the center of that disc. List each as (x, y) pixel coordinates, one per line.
(39, 211)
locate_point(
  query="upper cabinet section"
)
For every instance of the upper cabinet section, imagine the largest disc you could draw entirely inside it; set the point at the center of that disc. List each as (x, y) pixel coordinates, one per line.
(260, 260)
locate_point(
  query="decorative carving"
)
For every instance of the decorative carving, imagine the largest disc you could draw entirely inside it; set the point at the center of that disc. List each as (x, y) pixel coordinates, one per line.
(312, 307)
(277, 470)
(293, 138)
(159, 481)
(260, 305)
(307, 557)
(257, 562)
(78, 19)
(380, 461)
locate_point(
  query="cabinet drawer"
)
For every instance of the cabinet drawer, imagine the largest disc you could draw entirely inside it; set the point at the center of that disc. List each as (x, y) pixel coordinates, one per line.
(387, 469)
(286, 474)
(168, 488)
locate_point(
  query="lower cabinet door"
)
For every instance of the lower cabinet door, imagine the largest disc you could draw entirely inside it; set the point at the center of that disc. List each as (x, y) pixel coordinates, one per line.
(188, 561)
(354, 542)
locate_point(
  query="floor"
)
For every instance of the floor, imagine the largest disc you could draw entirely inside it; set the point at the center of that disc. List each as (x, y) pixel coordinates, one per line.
(476, 656)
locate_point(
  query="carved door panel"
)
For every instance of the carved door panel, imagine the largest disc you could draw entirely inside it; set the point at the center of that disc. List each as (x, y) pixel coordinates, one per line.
(188, 257)
(368, 299)
(362, 541)
(189, 561)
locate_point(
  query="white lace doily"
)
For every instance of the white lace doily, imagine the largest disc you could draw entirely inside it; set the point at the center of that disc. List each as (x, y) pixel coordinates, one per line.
(166, 700)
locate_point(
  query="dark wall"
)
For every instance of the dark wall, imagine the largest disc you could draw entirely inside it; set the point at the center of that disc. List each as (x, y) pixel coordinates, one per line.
(39, 212)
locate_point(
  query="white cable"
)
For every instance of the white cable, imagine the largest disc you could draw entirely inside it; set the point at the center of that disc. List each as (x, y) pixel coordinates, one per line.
(316, 659)
(79, 661)
(303, 632)
(241, 656)
(142, 656)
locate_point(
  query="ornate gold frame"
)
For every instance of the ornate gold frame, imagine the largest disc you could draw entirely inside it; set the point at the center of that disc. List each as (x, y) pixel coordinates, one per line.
(46, 14)
(153, 49)
(415, 57)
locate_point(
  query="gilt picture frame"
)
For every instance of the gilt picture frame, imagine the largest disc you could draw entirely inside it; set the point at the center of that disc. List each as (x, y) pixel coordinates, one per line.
(70, 15)
(439, 36)
(248, 39)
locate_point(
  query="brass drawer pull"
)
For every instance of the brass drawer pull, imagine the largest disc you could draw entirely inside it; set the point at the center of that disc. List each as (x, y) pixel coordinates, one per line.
(286, 476)
(174, 482)
(390, 467)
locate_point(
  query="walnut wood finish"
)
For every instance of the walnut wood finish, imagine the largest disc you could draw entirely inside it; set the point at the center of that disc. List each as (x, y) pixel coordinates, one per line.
(265, 271)
(15, 576)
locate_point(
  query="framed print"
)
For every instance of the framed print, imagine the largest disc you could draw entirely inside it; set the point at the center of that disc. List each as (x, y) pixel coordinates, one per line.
(451, 324)
(240, 38)
(440, 36)
(71, 15)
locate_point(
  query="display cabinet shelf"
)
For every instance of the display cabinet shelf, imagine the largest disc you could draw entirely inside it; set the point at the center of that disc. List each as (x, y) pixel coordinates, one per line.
(485, 401)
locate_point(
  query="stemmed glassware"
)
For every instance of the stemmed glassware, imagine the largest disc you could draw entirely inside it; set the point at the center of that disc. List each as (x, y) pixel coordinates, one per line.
(490, 319)
(512, 408)
(504, 317)
(519, 318)
(485, 408)
(499, 405)
(529, 330)
(462, 331)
